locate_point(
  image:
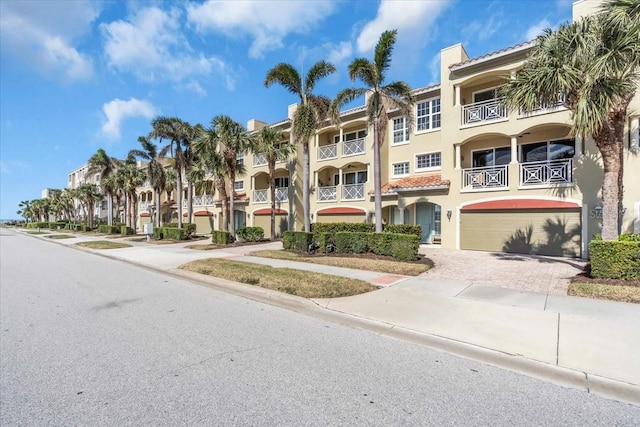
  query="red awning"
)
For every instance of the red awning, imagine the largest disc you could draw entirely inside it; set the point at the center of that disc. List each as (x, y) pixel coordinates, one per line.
(267, 211)
(334, 211)
(203, 213)
(520, 204)
(145, 214)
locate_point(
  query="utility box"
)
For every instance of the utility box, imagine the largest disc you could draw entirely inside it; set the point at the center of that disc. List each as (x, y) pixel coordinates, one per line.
(147, 229)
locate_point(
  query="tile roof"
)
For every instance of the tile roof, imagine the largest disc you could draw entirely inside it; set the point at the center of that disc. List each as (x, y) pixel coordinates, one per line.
(413, 183)
(514, 48)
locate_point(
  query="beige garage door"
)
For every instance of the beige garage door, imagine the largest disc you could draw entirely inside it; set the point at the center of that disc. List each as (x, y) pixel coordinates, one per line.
(264, 221)
(553, 232)
(350, 218)
(203, 224)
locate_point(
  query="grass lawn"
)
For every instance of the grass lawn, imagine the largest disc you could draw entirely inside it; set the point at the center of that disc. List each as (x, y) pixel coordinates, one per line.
(616, 292)
(103, 244)
(37, 232)
(203, 247)
(363, 262)
(295, 282)
(60, 236)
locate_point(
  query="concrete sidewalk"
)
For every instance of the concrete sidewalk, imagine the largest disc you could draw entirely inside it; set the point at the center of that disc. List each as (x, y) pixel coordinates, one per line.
(577, 342)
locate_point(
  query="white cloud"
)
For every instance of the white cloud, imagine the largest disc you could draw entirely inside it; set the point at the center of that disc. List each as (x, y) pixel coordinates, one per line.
(434, 69)
(42, 35)
(537, 29)
(411, 18)
(339, 52)
(118, 110)
(151, 46)
(8, 167)
(267, 22)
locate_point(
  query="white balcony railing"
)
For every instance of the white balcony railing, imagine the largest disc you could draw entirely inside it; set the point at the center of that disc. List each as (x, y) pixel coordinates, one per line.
(208, 199)
(282, 194)
(326, 194)
(350, 148)
(353, 192)
(485, 178)
(197, 200)
(260, 196)
(143, 206)
(185, 203)
(259, 159)
(546, 172)
(327, 152)
(485, 111)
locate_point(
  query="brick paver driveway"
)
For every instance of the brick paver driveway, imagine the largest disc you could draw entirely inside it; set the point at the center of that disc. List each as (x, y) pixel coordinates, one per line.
(515, 271)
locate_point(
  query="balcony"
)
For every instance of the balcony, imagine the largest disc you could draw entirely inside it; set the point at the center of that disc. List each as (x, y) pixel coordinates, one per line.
(259, 159)
(546, 173)
(143, 206)
(353, 192)
(282, 194)
(351, 148)
(485, 178)
(483, 112)
(327, 152)
(327, 194)
(260, 196)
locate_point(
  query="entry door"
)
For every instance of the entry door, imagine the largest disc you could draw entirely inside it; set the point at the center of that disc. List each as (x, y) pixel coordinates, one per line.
(239, 219)
(424, 218)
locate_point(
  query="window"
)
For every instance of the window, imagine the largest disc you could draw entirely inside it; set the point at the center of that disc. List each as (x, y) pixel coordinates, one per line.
(239, 159)
(428, 161)
(282, 182)
(485, 95)
(491, 157)
(547, 150)
(351, 136)
(351, 178)
(400, 169)
(238, 185)
(428, 115)
(400, 130)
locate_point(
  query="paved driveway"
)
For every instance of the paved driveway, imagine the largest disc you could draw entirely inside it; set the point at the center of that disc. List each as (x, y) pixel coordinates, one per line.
(514, 271)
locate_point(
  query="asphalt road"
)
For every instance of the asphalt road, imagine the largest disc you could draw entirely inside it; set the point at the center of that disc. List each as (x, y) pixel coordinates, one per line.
(86, 340)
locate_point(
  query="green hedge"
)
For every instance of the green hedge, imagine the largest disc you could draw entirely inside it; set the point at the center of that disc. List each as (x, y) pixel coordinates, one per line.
(251, 234)
(38, 225)
(324, 240)
(403, 229)
(190, 228)
(297, 240)
(125, 230)
(352, 242)
(108, 229)
(56, 225)
(612, 259)
(174, 233)
(629, 237)
(403, 247)
(221, 237)
(335, 227)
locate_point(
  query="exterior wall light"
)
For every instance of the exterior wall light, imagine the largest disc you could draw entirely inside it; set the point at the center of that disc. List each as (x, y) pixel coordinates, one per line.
(449, 213)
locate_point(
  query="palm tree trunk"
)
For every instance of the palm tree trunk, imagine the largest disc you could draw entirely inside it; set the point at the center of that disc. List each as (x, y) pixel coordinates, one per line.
(377, 184)
(179, 195)
(306, 207)
(157, 215)
(272, 191)
(610, 188)
(232, 214)
(189, 201)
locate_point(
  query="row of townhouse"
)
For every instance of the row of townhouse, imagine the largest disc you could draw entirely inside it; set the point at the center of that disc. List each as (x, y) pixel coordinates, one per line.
(472, 174)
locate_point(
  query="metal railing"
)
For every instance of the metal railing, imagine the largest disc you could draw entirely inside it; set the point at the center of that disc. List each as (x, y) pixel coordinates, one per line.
(327, 152)
(197, 200)
(547, 172)
(259, 159)
(327, 193)
(489, 177)
(282, 194)
(350, 148)
(208, 199)
(353, 192)
(484, 111)
(260, 196)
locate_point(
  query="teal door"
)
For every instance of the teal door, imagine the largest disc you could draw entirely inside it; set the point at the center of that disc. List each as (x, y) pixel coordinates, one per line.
(239, 219)
(424, 218)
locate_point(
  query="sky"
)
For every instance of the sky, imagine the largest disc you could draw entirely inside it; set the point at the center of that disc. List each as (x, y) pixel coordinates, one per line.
(76, 76)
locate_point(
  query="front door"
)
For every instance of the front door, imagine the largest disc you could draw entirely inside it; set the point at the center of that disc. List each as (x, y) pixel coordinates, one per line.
(424, 218)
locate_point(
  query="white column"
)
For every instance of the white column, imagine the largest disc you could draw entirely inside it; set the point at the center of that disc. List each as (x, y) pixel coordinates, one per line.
(457, 94)
(315, 140)
(458, 159)
(578, 148)
(514, 149)
(315, 179)
(253, 182)
(340, 175)
(401, 210)
(634, 134)
(341, 134)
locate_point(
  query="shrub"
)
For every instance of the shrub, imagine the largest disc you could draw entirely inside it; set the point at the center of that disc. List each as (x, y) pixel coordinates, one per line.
(403, 229)
(55, 225)
(158, 233)
(352, 242)
(221, 237)
(334, 227)
(629, 237)
(380, 243)
(615, 259)
(190, 228)
(251, 234)
(403, 247)
(125, 230)
(325, 239)
(287, 240)
(109, 229)
(297, 240)
(174, 233)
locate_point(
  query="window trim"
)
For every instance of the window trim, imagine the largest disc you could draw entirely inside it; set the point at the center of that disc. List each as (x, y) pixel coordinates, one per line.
(336, 138)
(431, 168)
(548, 142)
(487, 89)
(393, 172)
(406, 132)
(494, 154)
(430, 115)
(241, 181)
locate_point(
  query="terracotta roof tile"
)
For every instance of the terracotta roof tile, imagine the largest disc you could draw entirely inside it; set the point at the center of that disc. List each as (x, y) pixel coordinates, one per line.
(508, 49)
(417, 182)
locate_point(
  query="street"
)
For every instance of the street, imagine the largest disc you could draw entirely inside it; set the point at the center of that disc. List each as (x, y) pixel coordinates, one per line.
(88, 340)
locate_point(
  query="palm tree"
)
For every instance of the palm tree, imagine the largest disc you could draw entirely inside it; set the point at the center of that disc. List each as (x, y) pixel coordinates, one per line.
(106, 166)
(89, 194)
(189, 134)
(271, 143)
(25, 210)
(232, 138)
(155, 171)
(173, 130)
(382, 97)
(592, 65)
(131, 177)
(310, 113)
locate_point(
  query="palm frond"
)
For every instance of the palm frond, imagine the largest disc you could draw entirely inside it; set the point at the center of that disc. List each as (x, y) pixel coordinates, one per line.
(318, 71)
(363, 69)
(287, 76)
(382, 53)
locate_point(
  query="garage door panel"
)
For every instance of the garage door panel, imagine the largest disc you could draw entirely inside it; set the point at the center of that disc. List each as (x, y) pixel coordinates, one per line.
(264, 221)
(204, 224)
(545, 232)
(350, 218)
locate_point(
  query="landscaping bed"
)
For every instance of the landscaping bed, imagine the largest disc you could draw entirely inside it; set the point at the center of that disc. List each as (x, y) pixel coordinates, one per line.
(583, 285)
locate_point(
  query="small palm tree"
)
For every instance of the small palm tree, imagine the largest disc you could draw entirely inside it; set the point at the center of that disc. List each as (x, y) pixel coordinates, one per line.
(382, 97)
(311, 112)
(272, 143)
(155, 171)
(89, 194)
(592, 65)
(131, 177)
(25, 210)
(106, 166)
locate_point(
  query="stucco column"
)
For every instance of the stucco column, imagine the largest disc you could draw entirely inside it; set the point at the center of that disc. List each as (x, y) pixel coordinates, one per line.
(578, 148)
(316, 138)
(456, 89)
(634, 134)
(253, 182)
(458, 159)
(341, 134)
(514, 149)
(315, 179)
(401, 210)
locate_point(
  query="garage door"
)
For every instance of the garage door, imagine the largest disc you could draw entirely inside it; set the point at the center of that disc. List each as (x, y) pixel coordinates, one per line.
(264, 221)
(554, 232)
(204, 223)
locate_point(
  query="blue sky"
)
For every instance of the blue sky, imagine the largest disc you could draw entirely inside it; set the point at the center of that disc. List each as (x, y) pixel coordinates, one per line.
(76, 76)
